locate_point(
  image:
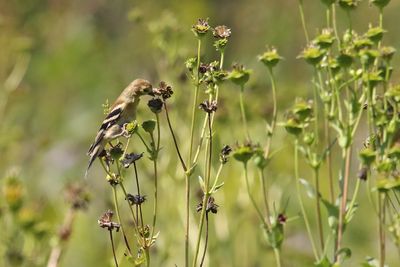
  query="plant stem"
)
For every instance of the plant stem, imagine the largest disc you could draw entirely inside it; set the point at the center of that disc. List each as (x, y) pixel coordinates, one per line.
(174, 138)
(253, 201)
(335, 24)
(138, 190)
(119, 219)
(303, 21)
(318, 207)
(382, 245)
(205, 242)
(345, 188)
(329, 162)
(156, 148)
(242, 110)
(265, 198)
(303, 211)
(277, 257)
(147, 253)
(205, 196)
(113, 248)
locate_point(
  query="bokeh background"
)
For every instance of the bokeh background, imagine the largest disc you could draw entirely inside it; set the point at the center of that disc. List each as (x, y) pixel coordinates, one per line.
(69, 56)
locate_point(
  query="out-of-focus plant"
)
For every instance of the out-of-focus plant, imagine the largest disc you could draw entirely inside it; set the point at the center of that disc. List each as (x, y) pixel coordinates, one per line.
(351, 77)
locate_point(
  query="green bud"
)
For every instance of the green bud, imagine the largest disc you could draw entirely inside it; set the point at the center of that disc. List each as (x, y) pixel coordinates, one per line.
(348, 4)
(270, 58)
(312, 54)
(239, 75)
(243, 153)
(131, 127)
(380, 3)
(149, 126)
(367, 156)
(293, 127)
(375, 34)
(325, 39)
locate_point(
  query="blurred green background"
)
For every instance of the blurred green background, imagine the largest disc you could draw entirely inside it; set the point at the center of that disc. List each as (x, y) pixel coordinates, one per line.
(77, 54)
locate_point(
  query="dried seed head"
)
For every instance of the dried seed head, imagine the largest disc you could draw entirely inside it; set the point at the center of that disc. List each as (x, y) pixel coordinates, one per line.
(105, 221)
(223, 156)
(155, 105)
(201, 27)
(281, 218)
(77, 196)
(211, 206)
(130, 158)
(363, 173)
(164, 90)
(222, 32)
(136, 199)
(208, 106)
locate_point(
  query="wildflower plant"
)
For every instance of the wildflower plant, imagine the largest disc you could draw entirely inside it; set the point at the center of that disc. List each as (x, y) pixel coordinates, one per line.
(351, 87)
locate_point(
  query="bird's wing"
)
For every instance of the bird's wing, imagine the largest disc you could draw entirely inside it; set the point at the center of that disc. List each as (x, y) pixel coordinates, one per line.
(111, 118)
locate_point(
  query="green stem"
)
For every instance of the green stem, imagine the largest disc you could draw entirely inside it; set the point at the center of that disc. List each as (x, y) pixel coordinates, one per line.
(303, 210)
(353, 199)
(147, 253)
(265, 198)
(335, 24)
(253, 201)
(345, 189)
(318, 207)
(382, 245)
(119, 218)
(203, 129)
(113, 247)
(242, 110)
(156, 148)
(303, 21)
(277, 257)
(205, 196)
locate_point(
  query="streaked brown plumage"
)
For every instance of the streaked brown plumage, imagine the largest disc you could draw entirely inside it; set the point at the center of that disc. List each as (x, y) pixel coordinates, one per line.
(122, 111)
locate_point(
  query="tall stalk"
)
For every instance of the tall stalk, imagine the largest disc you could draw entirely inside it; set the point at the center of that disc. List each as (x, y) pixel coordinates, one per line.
(187, 176)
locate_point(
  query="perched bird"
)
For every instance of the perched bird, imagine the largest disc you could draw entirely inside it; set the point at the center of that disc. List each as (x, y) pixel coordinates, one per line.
(121, 112)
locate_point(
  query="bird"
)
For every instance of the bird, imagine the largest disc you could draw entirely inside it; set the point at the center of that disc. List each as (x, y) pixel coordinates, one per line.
(121, 112)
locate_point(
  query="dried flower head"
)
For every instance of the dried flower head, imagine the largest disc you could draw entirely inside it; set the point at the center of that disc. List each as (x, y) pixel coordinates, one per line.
(211, 206)
(135, 199)
(155, 105)
(201, 27)
(130, 158)
(208, 106)
(281, 218)
(77, 196)
(203, 68)
(363, 173)
(224, 154)
(105, 221)
(164, 90)
(116, 151)
(387, 52)
(222, 32)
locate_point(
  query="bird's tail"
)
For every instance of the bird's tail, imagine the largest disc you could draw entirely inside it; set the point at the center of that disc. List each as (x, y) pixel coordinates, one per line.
(95, 152)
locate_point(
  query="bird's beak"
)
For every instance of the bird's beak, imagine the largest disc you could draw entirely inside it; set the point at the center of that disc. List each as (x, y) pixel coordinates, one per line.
(149, 91)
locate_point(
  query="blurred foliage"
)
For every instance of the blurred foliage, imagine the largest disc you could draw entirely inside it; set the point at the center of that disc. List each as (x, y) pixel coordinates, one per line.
(60, 60)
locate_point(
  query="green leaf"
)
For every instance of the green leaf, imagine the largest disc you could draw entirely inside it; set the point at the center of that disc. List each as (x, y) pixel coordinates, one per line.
(370, 262)
(309, 188)
(275, 236)
(323, 263)
(202, 185)
(345, 253)
(333, 215)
